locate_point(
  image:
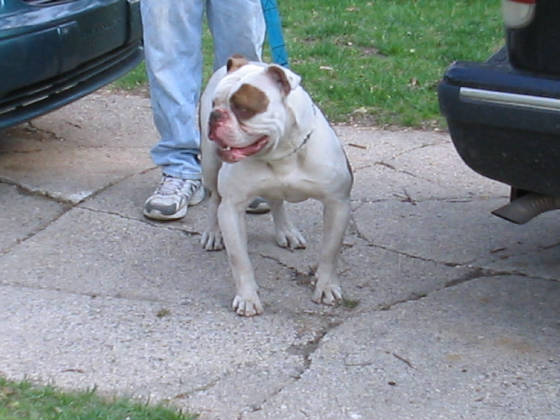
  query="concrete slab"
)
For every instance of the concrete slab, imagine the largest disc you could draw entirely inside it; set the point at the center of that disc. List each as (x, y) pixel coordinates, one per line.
(23, 215)
(45, 156)
(460, 232)
(538, 259)
(449, 311)
(365, 145)
(371, 275)
(142, 348)
(441, 165)
(113, 255)
(485, 349)
(412, 166)
(107, 255)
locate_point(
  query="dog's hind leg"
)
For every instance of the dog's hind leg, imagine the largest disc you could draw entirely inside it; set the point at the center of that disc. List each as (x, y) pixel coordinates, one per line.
(287, 235)
(335, 219)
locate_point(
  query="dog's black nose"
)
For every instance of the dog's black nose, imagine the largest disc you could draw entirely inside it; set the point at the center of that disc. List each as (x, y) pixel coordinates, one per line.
(216, 115)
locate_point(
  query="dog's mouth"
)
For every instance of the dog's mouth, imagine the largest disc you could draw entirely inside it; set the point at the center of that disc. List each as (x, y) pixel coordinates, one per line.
(235, 154)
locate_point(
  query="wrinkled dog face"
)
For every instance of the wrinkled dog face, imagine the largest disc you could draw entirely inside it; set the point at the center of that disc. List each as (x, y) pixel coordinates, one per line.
(249, 113)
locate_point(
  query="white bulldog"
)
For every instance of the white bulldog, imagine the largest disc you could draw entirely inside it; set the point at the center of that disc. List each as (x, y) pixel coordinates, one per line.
(263, 136)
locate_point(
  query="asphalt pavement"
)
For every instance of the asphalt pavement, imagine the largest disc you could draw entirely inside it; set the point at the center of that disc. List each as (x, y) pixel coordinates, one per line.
(449, 312)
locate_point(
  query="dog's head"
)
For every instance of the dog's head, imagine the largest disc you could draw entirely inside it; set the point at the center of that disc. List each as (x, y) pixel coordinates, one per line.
(249, 111)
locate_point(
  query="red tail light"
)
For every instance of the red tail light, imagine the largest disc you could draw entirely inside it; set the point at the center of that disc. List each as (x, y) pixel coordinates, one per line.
(518, 13)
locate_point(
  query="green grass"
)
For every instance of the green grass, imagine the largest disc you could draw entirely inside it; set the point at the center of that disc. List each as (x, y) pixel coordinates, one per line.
(384, 58)
(379, 61)
(27, 402)
(133, 80)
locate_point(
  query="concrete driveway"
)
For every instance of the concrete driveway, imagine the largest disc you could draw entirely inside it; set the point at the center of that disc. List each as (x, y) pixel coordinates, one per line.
(449, 311)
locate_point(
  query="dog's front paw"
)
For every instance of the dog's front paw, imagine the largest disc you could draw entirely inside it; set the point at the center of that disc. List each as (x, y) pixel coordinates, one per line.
(330, 294)
(212, 241)
(247, 306)
(290, 238)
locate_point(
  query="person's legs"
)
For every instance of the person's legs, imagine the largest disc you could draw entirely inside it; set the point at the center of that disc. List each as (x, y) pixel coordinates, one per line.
(173, 53)
(237, 27)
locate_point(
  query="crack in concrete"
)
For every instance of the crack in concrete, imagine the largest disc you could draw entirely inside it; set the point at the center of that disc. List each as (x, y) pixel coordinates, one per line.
(407, 198)
(113, 183)
(5, 251)
(466, 264)
(300, 277)
(67, 205)
(475, 271)
(48, 134)
(398, 155)
(305, 351)
(37, 192)
(202, 388)
(474, 274)
(65, 209)
(190, 233)
(422, 146)
(19, 152)
(410, 298)
(116, 296)
(258, 406)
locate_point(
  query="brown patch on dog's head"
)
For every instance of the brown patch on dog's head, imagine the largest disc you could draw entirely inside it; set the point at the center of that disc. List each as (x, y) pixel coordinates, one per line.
(236, 61)
(248, 101)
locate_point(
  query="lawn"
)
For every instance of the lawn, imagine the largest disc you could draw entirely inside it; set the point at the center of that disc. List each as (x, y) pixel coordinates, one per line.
(378, 62)
(23, 401)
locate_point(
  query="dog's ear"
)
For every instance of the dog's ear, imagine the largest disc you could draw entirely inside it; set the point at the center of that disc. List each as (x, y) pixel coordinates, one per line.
(236, 61)
(284, 78)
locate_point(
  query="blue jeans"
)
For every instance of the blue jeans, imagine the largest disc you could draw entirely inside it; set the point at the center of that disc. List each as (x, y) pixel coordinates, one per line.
(173, 51)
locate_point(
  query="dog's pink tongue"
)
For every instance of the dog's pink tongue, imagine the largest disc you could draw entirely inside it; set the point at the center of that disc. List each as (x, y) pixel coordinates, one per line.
(235, 154)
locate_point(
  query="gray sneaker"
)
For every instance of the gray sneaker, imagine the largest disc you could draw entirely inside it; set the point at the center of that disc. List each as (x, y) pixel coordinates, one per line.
(172, 197)
(258, 206)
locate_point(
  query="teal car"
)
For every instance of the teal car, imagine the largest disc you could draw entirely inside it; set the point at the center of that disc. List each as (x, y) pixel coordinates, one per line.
(53, 52)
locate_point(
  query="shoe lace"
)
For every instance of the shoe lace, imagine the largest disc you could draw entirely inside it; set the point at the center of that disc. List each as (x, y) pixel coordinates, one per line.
(170, 185)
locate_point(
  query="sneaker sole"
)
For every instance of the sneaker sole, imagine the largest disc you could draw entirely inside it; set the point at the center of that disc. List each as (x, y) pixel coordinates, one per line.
(156, 215)
(197, 198)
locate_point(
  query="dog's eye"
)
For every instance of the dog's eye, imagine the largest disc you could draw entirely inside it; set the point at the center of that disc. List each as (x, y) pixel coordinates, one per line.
(242, 112)
(248, 101)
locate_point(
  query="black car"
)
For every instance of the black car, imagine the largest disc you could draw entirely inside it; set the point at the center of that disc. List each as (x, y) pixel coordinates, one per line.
(53, 52)
(504, 114)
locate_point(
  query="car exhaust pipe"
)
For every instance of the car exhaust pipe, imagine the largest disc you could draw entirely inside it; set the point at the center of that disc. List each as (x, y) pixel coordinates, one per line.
(528, 206)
